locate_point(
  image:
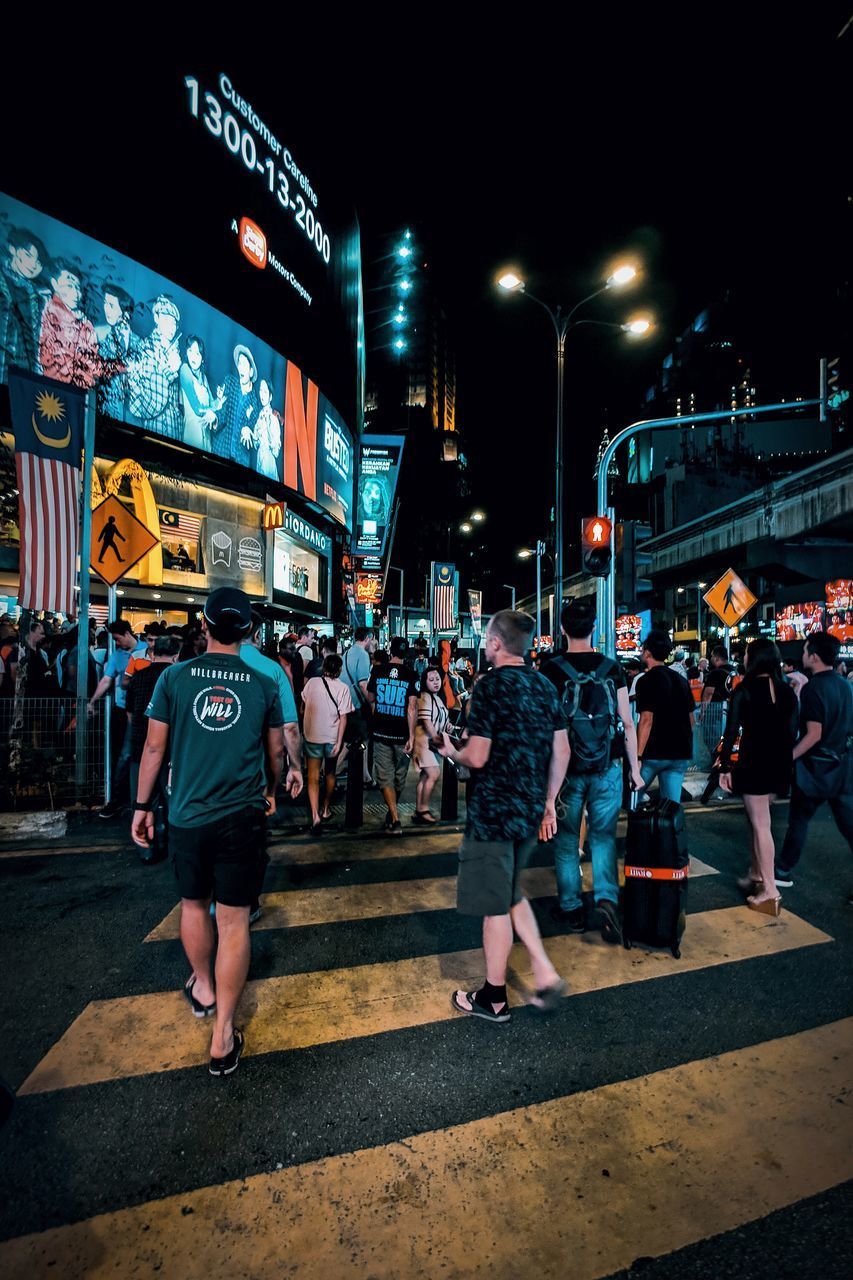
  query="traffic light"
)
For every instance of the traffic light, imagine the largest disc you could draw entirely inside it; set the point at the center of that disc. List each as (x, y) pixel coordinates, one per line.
(596, 545)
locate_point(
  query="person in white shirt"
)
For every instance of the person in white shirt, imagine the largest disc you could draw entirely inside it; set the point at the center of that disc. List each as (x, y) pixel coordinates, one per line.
(305, 644)
(433, 718)
(327, 704)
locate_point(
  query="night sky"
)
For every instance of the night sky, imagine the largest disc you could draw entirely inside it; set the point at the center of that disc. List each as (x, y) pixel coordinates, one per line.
(713, 151)
(711, 146)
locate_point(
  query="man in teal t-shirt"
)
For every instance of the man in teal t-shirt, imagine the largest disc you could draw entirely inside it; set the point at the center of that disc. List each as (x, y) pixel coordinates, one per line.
(219, 723)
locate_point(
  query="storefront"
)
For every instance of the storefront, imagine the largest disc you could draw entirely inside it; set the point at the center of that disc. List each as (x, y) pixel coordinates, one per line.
(299, 557)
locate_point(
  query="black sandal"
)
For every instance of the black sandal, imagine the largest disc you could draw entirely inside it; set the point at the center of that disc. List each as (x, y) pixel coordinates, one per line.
(227, 1065)
(547, 999)
(423, 818)
(479, 1010)
(199, 1010)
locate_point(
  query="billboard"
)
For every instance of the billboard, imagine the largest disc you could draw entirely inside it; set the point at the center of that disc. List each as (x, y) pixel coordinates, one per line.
(799, 621)
(631, 628)
(163, 360)
(380, 458)
(839, 610)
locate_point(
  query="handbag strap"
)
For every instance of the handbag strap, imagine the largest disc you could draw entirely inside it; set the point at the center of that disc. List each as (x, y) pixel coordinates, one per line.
(332, 697)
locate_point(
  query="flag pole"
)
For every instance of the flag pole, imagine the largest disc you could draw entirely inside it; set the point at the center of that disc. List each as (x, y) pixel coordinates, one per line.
(83, 602)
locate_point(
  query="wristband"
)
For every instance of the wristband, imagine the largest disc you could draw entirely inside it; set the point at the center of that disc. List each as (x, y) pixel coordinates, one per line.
(144, 808)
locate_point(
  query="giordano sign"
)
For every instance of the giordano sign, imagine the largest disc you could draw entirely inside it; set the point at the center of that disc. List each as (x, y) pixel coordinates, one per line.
(144, 508)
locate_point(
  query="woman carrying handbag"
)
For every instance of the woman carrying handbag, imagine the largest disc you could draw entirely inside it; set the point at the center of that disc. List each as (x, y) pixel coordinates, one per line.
(763, 718)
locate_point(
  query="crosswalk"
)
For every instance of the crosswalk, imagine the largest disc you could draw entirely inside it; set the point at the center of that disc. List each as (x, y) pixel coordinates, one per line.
(581, 1181)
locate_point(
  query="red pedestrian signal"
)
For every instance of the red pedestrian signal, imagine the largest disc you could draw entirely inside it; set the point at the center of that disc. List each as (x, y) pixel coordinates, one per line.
(596, 545)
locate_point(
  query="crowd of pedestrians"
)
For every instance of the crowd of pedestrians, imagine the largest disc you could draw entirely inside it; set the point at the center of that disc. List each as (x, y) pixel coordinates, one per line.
(551, 748)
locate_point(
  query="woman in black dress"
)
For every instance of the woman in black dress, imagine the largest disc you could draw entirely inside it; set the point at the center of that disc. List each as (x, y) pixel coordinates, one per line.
(763, 711)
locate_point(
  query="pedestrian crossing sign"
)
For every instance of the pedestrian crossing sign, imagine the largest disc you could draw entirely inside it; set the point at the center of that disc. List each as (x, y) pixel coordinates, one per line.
(119, 540)
(730, 598)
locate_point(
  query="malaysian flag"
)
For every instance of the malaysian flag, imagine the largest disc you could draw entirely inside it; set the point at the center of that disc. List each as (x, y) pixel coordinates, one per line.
(179, 523)
(443, 597)
(47, 419)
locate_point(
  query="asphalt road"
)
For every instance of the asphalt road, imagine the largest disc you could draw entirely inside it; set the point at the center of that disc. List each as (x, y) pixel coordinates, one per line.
(689, 1118)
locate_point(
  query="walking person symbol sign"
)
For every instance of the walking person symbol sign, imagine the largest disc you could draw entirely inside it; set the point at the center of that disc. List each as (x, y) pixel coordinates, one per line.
(730, 598)
(119, 540)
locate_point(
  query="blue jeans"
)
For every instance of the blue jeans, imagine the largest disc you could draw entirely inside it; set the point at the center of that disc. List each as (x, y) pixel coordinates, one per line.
(601, 794)
(670, 776)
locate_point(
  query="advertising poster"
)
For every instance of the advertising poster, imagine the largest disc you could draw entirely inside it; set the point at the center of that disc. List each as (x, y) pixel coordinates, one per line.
(163, 360)
(475, 608)
(368, 589)
(630, 628)
(839, 610)
(798, 621)
(380, 458)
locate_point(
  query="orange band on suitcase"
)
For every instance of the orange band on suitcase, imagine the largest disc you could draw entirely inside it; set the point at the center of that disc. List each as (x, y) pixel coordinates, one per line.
(656, 873)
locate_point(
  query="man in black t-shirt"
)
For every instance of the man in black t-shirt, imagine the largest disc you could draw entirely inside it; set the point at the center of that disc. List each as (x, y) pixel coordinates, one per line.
(518, 746)
(665, 732)
(392, 691)
(595, 696)
(823, 755)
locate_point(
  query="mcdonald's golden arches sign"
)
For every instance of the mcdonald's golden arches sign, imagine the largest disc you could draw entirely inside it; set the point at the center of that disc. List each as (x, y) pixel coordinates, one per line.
(274, 514)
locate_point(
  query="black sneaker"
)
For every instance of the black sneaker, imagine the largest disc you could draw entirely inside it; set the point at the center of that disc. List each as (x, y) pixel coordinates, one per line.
(611, 925)
(573, 921)
(395, 829)
(227, 1065)
(111, 810)
(783, 879)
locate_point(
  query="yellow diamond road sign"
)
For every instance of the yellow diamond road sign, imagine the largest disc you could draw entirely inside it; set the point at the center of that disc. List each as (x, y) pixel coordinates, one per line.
(119, 540)
(730, 598)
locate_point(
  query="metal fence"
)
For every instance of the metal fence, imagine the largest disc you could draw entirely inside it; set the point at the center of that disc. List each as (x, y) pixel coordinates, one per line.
(709, 728)
(39, 768)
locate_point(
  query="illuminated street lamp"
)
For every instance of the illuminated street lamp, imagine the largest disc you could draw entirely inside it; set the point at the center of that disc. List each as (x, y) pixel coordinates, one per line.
(511, 281)
(525, 554)
(478, 516)
(466, 527)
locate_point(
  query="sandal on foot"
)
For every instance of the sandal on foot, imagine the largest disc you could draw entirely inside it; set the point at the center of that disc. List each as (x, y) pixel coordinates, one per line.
(478, 1010)
(547, 999)
(199, 1010)
(225, 1066)
(423, 818)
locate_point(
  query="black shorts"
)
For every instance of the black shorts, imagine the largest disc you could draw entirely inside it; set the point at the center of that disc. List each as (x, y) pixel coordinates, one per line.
(225, 859)
(488, 883)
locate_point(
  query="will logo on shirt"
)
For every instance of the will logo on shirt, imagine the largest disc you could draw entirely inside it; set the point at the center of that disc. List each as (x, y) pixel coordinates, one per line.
(217, 708)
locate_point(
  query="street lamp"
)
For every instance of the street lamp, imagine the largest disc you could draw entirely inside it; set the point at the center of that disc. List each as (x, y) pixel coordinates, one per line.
(511, 281)
(511, 588)
(524, 554)
(466, 527)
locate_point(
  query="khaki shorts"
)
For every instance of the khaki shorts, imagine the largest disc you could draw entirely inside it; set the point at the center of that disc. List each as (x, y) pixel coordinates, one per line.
(489, 871)
(390, 764)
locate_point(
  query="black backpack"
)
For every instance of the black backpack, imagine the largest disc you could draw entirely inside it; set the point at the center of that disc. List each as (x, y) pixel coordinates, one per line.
(590, 706)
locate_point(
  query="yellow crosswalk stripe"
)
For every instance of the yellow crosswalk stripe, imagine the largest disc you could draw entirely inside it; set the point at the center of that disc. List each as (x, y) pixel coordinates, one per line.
(334, 848)
(576, 1186)
(298, 907)
(135, 1035)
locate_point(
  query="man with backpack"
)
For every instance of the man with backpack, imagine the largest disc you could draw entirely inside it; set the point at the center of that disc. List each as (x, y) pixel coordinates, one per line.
(601, 730)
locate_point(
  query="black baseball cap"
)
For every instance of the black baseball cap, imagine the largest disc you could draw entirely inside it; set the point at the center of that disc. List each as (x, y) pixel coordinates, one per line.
(228, 606)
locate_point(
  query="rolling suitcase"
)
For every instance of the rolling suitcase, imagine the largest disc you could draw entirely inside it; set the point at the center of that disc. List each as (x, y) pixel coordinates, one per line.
(656, 867)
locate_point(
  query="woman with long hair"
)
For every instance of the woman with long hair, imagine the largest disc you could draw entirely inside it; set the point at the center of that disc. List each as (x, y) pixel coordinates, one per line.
(763, 713)
(433, 718)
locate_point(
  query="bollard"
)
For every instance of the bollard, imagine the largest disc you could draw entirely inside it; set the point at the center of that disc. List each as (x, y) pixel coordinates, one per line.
(449, 792)
(354, 815)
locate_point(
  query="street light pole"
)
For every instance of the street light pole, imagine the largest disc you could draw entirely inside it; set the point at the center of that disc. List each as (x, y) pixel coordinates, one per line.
(512, 589)
(511, 282)
(607, 586)
(540, 548)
